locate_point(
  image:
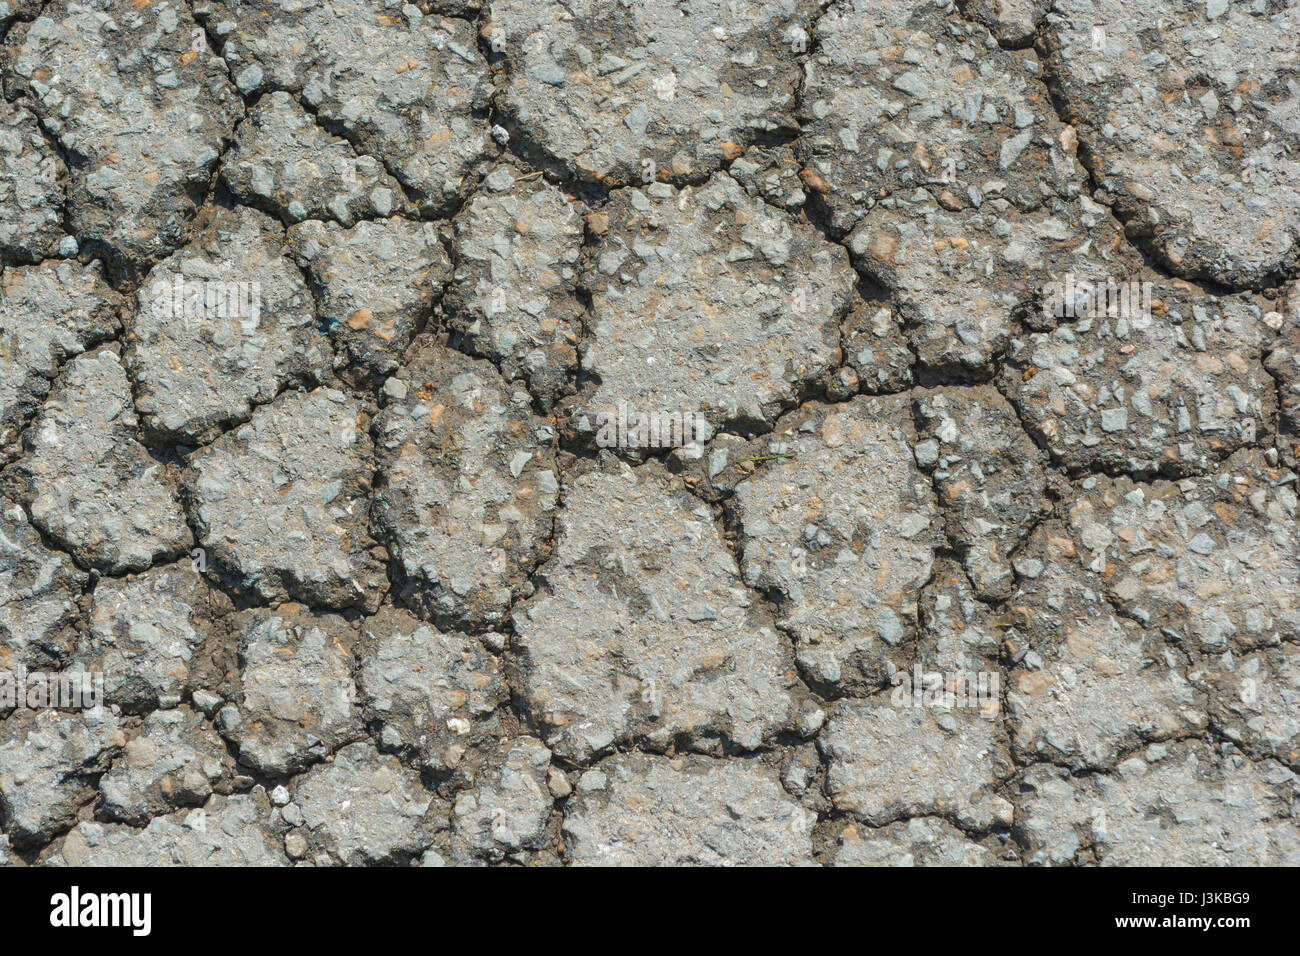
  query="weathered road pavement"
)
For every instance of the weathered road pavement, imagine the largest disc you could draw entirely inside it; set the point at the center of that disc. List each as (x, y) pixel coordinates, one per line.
(334, 335)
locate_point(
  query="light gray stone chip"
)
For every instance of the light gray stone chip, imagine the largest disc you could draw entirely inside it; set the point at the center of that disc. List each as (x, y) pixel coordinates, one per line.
(643, 810)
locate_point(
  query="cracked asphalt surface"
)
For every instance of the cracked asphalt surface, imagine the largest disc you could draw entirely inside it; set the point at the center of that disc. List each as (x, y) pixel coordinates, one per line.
(314, 319)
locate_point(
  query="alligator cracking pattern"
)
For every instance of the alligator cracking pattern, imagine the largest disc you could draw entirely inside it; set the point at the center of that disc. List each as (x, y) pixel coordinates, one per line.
(326, 328)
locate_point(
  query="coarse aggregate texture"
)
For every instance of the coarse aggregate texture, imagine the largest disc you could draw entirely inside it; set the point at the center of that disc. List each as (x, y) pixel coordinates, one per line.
(739, 432)
(203, 352)
(141, 104)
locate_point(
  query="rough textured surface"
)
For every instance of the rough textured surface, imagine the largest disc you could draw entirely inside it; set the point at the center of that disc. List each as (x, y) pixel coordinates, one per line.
(363, 807)
(39, 592)
(650, 635)
(513, 295)
(221, 326)
(909, 97)
(1170, 392)
(297, 699)
(921, 841)
(142, 106)
(1192, 129)
(46, 762)
(1188, 805)
(559, 432)
(1214, 562)
(988, 478)
(1013, 22)
(407, 89)
(145, 632)
(375, 284)
(706, 300)
(32, 347)
(469, 486)
(91, 485)
(175, 760)
(434, 693)
(285, 163)
(31, 187)
(844, 529)
(506, 813)
(279, 504)
(639, 810)
(1283, 363)
(889, 763)
(242, 830)
(597, 88)
(1090, 684)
